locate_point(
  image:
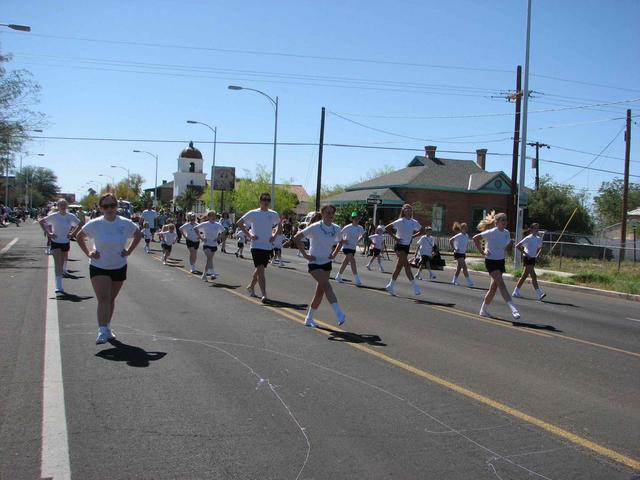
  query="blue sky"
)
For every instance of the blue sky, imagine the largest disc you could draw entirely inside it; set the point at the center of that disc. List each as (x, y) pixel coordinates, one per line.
(431, 71)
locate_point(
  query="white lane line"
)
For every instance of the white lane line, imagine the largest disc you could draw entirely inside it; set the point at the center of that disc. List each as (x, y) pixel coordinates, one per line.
(633, 319)
(8, 246)
(55, 443)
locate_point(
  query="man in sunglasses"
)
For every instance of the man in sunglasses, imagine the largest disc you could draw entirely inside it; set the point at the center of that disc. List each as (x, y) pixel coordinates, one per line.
(258, 225)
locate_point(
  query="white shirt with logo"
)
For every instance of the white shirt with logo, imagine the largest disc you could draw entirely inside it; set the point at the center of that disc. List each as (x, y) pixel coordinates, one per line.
(211, 231)
(61, 225)
(531, 243)
(322, 239)
(460, 241)
(350, 234)
(425, 245)
(496, 242)
(109, 239)
(169, 238)
(260, 223)
(405, 228)
(377, 239)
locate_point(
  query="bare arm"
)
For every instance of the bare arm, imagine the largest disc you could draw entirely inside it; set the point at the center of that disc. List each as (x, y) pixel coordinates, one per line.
(477, 240)
(298, 242)
(137, 236)
(82, 243)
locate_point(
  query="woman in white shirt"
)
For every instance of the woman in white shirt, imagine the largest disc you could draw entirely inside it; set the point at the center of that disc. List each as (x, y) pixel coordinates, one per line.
(351, 234)
(403, 230)
(497, 240)
(192, 239)
(211, 230)
(58, 227)
(322, 236)
(530, 247)
(108, 258)
(459, 244)
(424, 251)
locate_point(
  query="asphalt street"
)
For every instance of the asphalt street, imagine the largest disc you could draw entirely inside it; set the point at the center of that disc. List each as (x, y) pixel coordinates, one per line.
(205, 382)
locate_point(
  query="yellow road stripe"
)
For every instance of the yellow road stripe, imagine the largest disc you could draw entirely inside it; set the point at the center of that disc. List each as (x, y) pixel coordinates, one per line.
(572, 437)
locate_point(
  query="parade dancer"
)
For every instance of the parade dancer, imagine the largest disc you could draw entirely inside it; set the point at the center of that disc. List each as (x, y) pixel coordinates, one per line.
(459, 244)
(192, 239)
(146, 234)
(403, 230)
(278, 241)
(150, 216)
(424, 248)
(211, 231)
(58, 227)
(530, 247)
(241, 237)
(108, 259)
(497, 240)
(351, 234)
(168, 237)
(258, 225)
(377, 241)
(322, 235)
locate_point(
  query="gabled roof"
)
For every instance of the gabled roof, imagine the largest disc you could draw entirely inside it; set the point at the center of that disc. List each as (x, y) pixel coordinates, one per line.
(386, 194)
(438, 173)
(298, 190)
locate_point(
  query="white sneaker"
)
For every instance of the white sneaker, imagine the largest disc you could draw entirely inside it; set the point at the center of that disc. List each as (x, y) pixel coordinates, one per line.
(485, 313)
(469, 282)
(357, 280)
(416, 290)
(541, 294)
(264, 299)
(251, 292)
(308, 322)
(455, 282)
(381, 269)
(341, 318)
(516, 293)
(391, 289)
(204, 277)
(338, 278)
(104, 337)
(192, 270)
(213, 275)
(164, 262)
(369, 267)
(515, 313)
(418, 277)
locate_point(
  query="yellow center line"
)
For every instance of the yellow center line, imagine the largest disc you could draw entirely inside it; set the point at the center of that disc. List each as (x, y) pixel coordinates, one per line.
(571, 437)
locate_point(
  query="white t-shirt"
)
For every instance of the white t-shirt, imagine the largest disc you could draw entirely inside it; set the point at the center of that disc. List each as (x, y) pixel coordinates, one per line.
(460, 241)
(188, 230)
(211, 231)
(405, 228)
(496, 242)
(377, 240)
(61, 225)
(278, 241)
(150, 217)
(169, 238)
(322, 238)
(260, 223)
(350, 235)
(146, 233)
(241, 236)
(425, 245)
(531, 243)
(109, 239)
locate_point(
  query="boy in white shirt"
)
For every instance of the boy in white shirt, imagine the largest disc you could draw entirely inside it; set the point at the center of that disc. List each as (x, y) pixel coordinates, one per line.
(377, 242)
(351, 234)
(530, 247)
(459, 244)
(168, 237)
(425, 251)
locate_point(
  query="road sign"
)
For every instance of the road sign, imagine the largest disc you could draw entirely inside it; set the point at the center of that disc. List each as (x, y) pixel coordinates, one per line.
(374, 201)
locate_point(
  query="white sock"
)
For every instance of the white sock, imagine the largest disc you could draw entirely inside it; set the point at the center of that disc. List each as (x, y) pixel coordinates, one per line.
(512, 306)
(310, 313)
(455, 278)
(484, 306)
(65, 267)
(392, 283)
(337, 310)
(104, 329)
(58, 282)
(539, 290)
(414, 284)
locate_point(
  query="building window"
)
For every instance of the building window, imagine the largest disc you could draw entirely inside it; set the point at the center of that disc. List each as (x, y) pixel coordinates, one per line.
(437, 224)
(192, 167)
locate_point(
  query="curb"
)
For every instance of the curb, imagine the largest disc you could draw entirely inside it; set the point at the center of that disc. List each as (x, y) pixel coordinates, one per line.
(576, 288)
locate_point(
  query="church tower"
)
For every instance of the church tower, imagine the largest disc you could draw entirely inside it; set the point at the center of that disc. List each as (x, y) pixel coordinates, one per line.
(189, 172)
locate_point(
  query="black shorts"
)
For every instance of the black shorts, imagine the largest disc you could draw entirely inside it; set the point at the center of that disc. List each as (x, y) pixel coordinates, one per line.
(117, 275)
(240, 244)
(260, 257)
(425, 261)
(529, 261)
(192, 244)
(493, 265)
(64, 247)
(153, 231)
(210, 247)
(147, 241)
(376, 251)
(277, 250)
(401, 248)
(325, 266)
(166, 247)
(348, 251)
(457, 255)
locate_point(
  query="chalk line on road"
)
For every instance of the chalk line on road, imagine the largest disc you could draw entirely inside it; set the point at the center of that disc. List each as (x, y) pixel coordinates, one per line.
(633, 319)
(55, 443)
(9, 245)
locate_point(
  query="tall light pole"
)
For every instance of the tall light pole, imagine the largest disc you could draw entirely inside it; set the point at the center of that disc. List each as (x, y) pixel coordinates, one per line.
(13, 26)
(213, 165)
(126, 170)
(523, 142)
(113, 180)
(155, 193)
(275, 139)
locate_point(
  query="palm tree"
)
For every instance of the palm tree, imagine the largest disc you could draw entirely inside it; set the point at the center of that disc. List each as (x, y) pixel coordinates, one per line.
(187, 199)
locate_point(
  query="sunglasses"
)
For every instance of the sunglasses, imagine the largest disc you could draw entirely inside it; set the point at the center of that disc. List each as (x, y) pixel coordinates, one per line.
(109, 205)
(265, 199)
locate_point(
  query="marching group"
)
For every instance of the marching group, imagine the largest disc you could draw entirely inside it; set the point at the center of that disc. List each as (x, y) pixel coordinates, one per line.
(115, 238)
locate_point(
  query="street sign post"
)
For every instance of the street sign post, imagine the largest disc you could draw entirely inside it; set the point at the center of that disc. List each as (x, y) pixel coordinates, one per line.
(374, 200)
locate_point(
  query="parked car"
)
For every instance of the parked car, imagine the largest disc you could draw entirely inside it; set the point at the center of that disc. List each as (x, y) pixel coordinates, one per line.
(574, 246)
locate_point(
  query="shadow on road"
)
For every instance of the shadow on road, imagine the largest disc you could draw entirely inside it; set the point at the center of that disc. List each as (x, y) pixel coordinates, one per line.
(224, 285)
(281, 304)
(133, 356)
(428, 302)
(350, 337)
(70, 297)
(533, 326)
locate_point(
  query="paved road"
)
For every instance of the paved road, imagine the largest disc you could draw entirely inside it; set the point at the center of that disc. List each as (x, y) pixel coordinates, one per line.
(205, 382)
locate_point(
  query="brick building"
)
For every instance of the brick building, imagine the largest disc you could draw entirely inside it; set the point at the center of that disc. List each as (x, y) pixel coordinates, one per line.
(441, 190)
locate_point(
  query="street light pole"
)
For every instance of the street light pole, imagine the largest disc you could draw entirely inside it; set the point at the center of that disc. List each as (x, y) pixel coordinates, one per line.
(275, 138)
(113, 180)
(213, 165)
(126, 170)
(155, 193)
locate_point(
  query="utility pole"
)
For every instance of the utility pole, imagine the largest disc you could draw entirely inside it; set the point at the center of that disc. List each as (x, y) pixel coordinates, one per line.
(536, 164)
(517, 97)
(320, 149)
(625, 190)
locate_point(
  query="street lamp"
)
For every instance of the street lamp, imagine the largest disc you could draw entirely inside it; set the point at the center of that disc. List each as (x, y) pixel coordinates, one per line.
(113, 180)
(126, 170)
(275, 139)
(213, 165)
(13, 26)
(155, 193)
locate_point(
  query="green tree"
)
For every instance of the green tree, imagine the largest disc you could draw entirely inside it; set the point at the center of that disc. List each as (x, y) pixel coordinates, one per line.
(247, 193)
(608, 202)
(90, 200)
(344, 211)
(187, 200)
(552, 205)
(327, 191)
(40, 182)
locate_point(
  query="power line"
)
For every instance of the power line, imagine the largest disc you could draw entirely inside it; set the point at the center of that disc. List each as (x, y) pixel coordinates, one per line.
(597, 156)
(584, 168)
